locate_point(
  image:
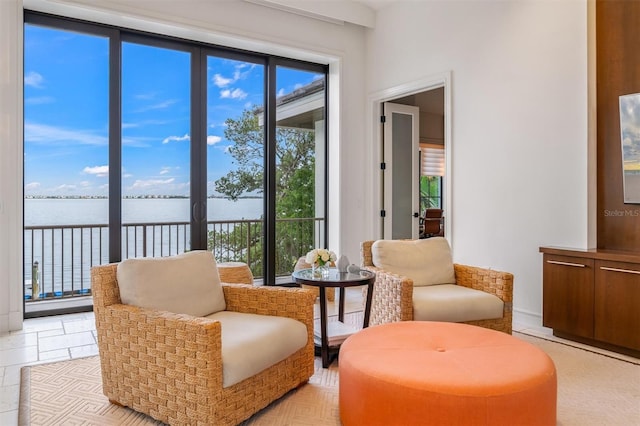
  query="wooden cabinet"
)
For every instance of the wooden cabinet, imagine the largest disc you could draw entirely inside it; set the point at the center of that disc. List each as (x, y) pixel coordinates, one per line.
(568, 294)
(617, 303)
(593, 296)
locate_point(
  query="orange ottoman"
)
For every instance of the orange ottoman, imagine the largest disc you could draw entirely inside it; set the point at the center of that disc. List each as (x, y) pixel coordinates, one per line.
(435, 373)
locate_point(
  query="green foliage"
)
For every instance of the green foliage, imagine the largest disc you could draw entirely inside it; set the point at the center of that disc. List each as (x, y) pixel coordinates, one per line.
(295, 194)
(430, 192)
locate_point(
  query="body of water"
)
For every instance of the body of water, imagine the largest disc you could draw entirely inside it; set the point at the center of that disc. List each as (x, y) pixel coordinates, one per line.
(65, 256)
(48, 212)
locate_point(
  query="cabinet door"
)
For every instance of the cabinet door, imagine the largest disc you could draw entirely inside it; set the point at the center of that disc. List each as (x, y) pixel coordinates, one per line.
(568, 294)
(617, 303)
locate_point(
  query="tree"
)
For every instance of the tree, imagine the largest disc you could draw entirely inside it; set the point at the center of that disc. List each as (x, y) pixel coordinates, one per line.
(295, 150)
(295, 192)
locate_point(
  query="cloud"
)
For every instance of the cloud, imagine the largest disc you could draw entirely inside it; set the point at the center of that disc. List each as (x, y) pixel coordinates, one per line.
(212, 140)
(145, 96)
(238, 74)
(32, 185)
(33, 79)
(39, 100)
(281, 92)
(220, 81)
(160, 105)
(144, 184)
(139, 142)
(186, 137)
(99, 171)
(85, 183)
(65, 187)
(233, 94)
(165, 170)
(51, 135)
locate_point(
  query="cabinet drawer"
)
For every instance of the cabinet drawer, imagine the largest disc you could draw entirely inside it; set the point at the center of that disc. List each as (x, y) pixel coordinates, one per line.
(617, 303)
(568, 294)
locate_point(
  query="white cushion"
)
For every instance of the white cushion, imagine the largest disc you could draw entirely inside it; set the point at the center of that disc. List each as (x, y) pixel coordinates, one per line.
(454, 303)
(185, 284)
(426, 262)
(252, 343)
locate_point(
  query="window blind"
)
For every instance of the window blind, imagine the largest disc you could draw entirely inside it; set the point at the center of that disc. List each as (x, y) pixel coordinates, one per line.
(432, 160)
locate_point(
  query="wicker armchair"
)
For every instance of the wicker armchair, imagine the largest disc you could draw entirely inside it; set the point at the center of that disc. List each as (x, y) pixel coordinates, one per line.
(392, 298)
(169, 366)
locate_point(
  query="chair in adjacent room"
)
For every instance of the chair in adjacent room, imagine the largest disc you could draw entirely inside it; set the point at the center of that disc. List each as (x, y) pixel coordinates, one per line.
(417, 280)
(431, 223)
(180, 346)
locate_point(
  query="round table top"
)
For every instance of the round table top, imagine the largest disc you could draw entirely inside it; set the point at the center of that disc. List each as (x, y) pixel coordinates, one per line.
(334, 279)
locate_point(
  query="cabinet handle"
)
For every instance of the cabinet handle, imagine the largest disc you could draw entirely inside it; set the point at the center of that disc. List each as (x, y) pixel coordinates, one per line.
(577, 265)
(626, 271)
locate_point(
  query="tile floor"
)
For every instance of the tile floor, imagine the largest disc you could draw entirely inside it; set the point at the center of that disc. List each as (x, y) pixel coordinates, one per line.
(65, 337)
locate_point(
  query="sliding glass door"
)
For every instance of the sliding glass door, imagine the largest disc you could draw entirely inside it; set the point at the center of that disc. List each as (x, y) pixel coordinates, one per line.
(300, 165)
(165, 146)
(156, 145)
(66, 161)
(235, 135)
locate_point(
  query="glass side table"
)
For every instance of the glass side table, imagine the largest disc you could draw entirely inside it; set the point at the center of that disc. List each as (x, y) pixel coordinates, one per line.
(341, 280)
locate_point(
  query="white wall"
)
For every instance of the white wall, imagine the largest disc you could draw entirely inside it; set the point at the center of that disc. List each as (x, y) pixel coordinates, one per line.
(10, 166)
(519, 114)
(232, 23)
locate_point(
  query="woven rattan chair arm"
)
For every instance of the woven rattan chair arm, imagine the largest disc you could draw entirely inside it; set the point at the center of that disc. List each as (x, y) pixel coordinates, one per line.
(392, 297)
(487, 280)
(161, 346)
(366, 258)
(296, 303)
(103, 285)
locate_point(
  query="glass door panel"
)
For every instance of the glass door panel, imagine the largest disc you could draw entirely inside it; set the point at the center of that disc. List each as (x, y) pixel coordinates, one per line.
(66, 163)
(300, 165)
(235, 161)
(156, 143)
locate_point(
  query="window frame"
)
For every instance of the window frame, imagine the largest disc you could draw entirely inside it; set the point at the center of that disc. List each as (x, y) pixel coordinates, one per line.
(198, 189)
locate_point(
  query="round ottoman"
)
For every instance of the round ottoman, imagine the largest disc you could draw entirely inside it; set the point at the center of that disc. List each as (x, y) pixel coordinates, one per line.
(434, 373)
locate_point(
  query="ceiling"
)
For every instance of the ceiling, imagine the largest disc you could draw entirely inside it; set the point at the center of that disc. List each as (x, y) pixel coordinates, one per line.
(358, 12)
(377, 4)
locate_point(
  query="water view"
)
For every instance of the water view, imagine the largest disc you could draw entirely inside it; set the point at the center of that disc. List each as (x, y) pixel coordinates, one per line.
(75, 230)
(85, 211)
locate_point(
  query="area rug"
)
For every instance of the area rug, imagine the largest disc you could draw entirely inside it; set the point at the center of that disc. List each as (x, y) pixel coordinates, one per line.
(592, 390)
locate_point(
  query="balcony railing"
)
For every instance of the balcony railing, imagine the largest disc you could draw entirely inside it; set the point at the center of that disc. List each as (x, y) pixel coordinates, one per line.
(61, 257)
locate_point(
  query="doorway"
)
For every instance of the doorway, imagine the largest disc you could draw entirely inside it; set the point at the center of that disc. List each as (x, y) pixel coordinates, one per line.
(432, 176)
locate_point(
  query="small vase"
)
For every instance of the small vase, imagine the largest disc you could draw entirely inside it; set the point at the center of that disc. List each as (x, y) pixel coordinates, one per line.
(315, 271)
(320, 271)
(324, 270)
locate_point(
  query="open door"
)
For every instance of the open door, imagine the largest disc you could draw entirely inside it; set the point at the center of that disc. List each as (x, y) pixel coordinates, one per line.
(401, 200)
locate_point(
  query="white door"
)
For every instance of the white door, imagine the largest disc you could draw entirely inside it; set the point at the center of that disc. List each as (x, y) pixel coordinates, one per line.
(401, 198)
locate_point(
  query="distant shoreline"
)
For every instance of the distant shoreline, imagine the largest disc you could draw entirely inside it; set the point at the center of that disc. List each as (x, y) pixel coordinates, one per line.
(127, 197)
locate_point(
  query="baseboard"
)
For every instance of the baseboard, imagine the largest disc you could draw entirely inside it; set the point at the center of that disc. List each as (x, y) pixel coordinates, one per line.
(527, 319)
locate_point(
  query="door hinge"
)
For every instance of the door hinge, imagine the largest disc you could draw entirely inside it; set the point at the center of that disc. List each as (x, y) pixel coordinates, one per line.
(383, 213)
(383, 119)
(383, 166)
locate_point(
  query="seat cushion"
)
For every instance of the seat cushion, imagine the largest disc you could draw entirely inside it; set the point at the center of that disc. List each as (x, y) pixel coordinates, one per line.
(185, 284)
(426, 262)
(251, 343)
(454, 303)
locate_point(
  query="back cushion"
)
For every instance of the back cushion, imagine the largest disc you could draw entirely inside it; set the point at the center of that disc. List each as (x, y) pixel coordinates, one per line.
(426, 262)
(185, 284)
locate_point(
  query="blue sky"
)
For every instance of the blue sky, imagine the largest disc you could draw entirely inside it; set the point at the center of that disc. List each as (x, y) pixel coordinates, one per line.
(66, 114)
